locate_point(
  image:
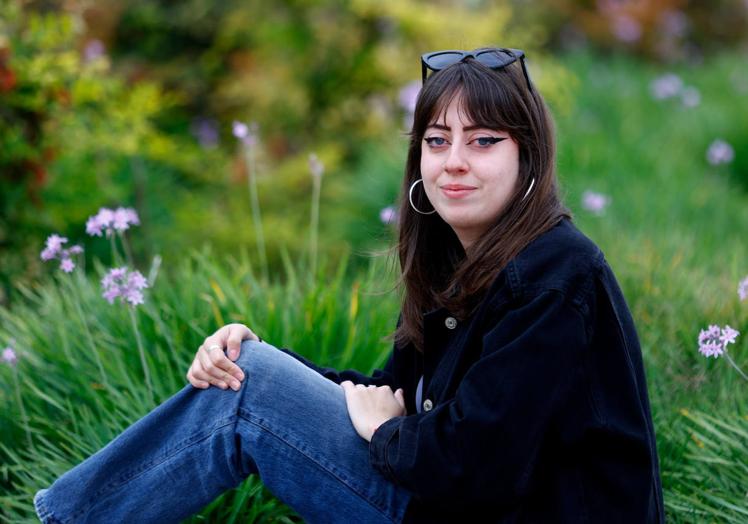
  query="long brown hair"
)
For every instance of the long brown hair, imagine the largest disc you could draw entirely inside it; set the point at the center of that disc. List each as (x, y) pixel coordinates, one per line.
(435, 269)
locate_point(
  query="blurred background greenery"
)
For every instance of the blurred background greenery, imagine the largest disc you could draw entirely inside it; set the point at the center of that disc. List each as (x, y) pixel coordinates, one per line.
(126, 102)
(132, 103)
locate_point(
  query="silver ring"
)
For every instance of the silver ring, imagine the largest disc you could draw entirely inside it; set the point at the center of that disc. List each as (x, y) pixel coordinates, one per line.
(214, 346)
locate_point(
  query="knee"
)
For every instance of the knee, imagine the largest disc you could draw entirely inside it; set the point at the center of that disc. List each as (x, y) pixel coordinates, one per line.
(252, 351)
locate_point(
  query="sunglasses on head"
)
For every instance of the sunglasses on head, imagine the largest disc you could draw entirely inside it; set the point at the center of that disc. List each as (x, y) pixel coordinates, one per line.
(495, 58)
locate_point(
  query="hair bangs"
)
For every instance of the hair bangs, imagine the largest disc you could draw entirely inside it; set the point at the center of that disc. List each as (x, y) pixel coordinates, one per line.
(484, 99)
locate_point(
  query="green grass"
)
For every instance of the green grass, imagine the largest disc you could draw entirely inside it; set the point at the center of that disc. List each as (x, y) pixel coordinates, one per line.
(674, 233)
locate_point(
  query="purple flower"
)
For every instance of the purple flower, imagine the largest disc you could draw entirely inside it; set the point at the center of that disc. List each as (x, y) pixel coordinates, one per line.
(315, 166)
(94, 49)
(67, 265)
(206, 132)
(123, 217)
(626, 28)
(246, 133)
(743, 289)
(240, 129)
(9, 356)
(713, 340)
(409, 96)
(125, 284)
(595, 202)
(720, 152)
(109, 220)
(728, 335)
(666, 86)
(53, 247)
(54, 250)
(388, 215)
(674, 23)
(690, 96)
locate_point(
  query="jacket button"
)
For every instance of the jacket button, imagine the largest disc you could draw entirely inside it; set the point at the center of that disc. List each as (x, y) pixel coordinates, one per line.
(427, 405)
(450, 322)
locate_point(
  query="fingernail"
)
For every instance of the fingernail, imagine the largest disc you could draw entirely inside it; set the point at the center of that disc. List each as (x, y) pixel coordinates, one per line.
(232, 354)
(235, 386)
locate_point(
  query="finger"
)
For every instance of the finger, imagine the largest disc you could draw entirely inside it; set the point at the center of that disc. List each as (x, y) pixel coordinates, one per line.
(212, 366)
(219, 360)
(400, 397)
(202, 384)
(236, 333)
(203, 376)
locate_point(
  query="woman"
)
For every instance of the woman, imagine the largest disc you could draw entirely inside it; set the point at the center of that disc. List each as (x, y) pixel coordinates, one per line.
(520, 394)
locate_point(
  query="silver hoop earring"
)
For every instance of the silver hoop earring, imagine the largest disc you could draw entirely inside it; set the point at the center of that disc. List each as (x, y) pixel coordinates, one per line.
(532, 183)
(410, 199)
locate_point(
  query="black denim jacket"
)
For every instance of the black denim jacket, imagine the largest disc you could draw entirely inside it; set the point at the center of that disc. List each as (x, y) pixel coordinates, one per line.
(535, 409)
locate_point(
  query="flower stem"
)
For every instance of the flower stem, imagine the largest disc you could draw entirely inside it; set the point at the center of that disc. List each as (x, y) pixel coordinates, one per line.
(255, 202)
(116, 258)
(91, 342)
(24, 417)
(126, 248)
(314, 229)
(733, 364)
(142, 352)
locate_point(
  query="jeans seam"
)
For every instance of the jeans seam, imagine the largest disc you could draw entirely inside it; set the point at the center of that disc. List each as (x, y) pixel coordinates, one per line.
(45, 516)
(261, 423)
(134, 473)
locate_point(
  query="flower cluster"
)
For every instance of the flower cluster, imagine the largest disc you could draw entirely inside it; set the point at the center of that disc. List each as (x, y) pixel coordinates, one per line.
(670, 85)
(246, 133)
(9, 356)
(408, 97)
(110, 220)
(316, 168)
(720, 152)
(54, 250)
(595, 202)
(743, 289)
(388, 215)
(125, 284)
(713, 340)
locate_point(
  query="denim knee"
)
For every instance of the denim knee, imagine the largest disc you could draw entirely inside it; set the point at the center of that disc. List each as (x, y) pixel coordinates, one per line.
(250, 349)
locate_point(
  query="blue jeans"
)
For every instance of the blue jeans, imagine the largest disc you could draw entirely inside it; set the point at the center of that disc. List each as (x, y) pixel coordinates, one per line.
(287, 423)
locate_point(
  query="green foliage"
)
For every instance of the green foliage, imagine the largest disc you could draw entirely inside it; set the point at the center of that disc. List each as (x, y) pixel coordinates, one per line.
(664, 30)
(338, 321)
(124, 128)
(324, 79)
(673, 233)
(76, 137)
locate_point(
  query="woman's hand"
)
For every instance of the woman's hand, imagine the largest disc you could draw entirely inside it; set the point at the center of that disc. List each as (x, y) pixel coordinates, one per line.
(211, 366)
(371, 406)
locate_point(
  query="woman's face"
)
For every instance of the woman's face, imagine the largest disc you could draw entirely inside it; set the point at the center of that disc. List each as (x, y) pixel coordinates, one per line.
(468, 172)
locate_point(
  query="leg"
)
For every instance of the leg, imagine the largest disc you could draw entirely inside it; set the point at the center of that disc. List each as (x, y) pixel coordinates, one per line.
(287, 423)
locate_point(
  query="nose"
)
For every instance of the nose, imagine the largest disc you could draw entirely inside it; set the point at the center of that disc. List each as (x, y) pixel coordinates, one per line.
(456, 162)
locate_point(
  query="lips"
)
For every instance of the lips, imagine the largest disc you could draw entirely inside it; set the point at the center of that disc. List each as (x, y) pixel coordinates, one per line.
(457, 190)
(456, 187)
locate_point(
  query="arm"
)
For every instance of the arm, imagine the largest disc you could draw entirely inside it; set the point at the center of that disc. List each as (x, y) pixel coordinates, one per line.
(486, 439)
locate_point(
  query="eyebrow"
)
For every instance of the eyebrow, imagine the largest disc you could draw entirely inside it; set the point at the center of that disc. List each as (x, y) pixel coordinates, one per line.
(466, 128)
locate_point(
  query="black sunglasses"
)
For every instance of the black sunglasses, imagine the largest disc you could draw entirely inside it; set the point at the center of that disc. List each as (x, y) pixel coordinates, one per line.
(495, 58)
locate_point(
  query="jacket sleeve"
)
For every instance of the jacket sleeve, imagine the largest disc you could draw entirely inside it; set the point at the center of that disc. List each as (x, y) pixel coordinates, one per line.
(380, 377)
(485, 440)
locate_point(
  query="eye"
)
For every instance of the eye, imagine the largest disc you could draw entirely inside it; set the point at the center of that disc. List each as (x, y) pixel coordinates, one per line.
(485, 141)
(435, 141)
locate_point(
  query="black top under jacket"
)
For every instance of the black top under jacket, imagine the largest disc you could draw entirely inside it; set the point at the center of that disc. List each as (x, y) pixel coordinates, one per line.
(535, 409)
